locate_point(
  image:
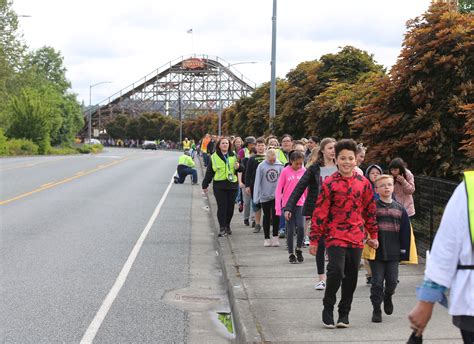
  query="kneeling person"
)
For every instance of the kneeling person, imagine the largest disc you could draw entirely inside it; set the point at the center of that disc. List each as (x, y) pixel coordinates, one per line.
(185, 168)
(394, 245)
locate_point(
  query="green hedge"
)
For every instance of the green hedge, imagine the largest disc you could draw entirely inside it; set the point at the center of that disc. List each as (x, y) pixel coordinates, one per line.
(22, 147)
(88, 148)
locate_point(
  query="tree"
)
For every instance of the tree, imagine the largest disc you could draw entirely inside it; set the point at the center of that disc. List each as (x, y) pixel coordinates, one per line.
(415, 114)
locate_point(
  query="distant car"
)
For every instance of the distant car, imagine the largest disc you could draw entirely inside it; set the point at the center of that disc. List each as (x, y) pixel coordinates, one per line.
(93, 142)
(149, 145)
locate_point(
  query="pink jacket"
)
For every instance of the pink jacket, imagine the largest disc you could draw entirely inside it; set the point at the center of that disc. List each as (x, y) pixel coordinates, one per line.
(404, 191)
(286, 184)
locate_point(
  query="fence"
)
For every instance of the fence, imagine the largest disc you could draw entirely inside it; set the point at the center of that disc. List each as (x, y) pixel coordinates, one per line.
(431, 197)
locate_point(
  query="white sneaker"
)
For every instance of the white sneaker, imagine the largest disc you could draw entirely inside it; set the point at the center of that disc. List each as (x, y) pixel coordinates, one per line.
(275, 241)
(306, 240)
(321, 285)
(267, 243)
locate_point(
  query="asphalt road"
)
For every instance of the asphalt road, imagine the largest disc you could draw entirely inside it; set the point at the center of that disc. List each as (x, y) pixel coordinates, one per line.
(67, 227)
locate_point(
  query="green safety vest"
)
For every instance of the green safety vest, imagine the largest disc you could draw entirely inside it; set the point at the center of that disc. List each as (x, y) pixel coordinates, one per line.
(469, 183)
(246, 152)
(186, 160)
(223, 169)
(282, 157)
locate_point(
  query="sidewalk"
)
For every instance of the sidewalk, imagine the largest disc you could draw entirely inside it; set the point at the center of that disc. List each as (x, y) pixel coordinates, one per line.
(274, 301)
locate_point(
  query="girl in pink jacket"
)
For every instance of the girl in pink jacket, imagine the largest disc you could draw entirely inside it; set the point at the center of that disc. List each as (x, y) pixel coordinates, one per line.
(404, 186)
(289, 177)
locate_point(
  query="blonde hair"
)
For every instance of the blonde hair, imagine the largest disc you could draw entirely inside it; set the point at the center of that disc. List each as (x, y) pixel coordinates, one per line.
(324, 143)
(382, 177)
(271, 153)
(313, 157)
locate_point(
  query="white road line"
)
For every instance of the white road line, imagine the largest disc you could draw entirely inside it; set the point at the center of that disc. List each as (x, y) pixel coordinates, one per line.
(91, 332)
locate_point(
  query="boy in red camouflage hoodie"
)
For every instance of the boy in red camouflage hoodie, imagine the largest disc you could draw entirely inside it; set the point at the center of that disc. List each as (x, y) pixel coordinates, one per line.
(344, 211)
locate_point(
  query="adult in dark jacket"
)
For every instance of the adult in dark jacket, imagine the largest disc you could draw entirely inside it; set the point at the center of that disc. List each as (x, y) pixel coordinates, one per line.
(222, 172)
(310, 180)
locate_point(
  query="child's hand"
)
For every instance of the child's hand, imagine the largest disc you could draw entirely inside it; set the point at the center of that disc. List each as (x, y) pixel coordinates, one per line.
(374, 243)
(313, 250)
(287, 215)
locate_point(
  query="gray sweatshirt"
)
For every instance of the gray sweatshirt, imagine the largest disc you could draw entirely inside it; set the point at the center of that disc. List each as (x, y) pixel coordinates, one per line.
(266, 180)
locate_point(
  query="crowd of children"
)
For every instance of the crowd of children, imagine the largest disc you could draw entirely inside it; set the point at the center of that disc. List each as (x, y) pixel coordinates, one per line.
(287, 186)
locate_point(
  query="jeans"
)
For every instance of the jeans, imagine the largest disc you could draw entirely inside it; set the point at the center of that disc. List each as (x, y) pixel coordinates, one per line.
(296, 222)
(383, 271)
(205, 158)
(185, 171)
(248, 210)
(225, 199)
(342, 271)
(269, 216)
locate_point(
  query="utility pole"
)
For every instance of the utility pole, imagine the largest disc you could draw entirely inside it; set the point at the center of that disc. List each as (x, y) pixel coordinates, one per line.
(273, 67)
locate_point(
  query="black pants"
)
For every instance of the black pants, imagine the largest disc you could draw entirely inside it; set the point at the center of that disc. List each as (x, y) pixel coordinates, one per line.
(225, 199)
(382, 271)
(269, 216)
(320, 256)
(342, 271)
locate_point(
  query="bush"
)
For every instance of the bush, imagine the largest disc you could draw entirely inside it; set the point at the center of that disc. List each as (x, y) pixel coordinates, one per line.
(62, 151)
(87, 148)
(3, 143)
(22, 147)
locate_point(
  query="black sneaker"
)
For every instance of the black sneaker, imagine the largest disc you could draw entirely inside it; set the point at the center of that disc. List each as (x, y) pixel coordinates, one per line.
(299, 256)
(292, 259)
(343, 321)
(368, 280)
(222, 232)
(246, 222)
(377, 315)
(257, 229)
(175, 179)
(328, 318)
(228, 230)
(388, 305)
(253, 224)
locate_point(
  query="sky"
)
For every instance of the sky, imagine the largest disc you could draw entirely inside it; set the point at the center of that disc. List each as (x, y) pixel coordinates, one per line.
(121, 41)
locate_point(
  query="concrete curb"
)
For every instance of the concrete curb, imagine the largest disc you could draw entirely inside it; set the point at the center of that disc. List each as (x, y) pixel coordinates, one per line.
(246, 327)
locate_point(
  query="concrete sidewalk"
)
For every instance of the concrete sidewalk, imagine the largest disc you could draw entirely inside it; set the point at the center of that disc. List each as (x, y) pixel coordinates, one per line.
(274, 301)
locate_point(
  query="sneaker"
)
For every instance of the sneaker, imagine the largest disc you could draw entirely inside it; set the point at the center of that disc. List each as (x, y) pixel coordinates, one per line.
(343, 321)
(388, 305)
(195, 183)
(377, 315)
(228, 230)
(292, 259)
(328, 318)
(368, 280)
(281, 234)
(222, 232)
(257, 228)
(246, 222)
(275, 241)
(306, 240)
(253, 224)
(175, 179)
(267, 243)
(321, 285)
(241, 207)
(299, 256)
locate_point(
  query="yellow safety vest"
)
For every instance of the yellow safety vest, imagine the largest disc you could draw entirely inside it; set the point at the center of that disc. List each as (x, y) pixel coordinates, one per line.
(469, 183)
(246, 152)
(282, 157)
(186, 160)
(224, 169)
(186, 144)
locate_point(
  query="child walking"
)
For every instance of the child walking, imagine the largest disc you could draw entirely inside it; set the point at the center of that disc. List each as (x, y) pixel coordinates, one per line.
(344, 208)
(266, 180)
(286, 184)
(394, 246)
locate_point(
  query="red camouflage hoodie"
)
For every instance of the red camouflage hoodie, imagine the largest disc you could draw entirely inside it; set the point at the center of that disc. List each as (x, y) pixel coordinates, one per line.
(345, 206)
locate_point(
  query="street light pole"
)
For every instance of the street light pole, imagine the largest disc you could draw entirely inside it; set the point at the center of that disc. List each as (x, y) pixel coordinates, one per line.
(273, 67)
(89, 125)
(219, 110)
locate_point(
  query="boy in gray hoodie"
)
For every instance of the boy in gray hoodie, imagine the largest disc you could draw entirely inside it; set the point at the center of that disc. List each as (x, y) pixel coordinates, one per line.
(266, 180)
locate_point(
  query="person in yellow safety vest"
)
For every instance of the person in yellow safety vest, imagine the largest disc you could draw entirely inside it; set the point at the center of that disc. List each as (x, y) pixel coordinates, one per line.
(450, 265)
(204, 143)
(185, 168)
(286, 147)
(186, 144)
(222, 172)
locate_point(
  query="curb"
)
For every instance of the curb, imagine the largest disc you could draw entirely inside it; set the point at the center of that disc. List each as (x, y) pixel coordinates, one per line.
(246, 327)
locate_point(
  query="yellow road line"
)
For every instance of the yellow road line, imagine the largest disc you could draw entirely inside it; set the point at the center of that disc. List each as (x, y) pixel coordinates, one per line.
(29, 164)
(53, 184)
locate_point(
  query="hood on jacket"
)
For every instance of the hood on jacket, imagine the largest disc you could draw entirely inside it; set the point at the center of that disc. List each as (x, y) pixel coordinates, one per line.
(367, 171)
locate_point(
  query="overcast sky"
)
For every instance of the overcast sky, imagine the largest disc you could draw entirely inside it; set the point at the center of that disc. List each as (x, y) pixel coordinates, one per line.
(121, 40)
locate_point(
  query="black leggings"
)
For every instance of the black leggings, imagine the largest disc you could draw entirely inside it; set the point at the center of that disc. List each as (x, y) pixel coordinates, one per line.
(320, 256)
(268, 209)
(225, 199)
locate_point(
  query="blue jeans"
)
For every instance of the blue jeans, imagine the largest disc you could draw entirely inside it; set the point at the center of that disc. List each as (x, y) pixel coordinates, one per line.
(205, 158)
(185, 171)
